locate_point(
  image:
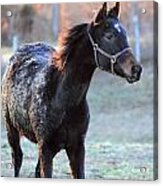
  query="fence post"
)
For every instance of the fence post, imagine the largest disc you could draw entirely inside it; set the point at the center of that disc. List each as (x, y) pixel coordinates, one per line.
(14, 43)
(55, 21)
(136, 26)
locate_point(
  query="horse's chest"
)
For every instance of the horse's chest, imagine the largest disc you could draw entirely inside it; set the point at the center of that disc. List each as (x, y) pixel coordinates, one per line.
(76, 122)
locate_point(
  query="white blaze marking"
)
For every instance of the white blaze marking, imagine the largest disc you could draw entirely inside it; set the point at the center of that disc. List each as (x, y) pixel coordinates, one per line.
(117, 26)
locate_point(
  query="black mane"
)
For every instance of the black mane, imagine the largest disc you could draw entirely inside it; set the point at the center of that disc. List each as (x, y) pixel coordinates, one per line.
(69, 43)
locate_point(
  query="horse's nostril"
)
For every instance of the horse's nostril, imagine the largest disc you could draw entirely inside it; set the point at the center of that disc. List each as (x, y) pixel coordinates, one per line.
(136, 69)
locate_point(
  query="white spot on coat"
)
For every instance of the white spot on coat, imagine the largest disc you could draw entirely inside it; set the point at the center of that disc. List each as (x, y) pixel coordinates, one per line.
(117, 27)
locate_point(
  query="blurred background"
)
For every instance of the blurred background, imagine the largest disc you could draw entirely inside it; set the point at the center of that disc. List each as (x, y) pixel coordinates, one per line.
(44, 22)
(119, 144)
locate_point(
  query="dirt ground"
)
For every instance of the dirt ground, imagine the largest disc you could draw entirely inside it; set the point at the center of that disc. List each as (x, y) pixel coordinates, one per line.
(119, 143)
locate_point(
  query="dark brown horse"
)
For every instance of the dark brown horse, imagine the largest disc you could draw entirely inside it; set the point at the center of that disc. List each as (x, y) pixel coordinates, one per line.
(44, 91)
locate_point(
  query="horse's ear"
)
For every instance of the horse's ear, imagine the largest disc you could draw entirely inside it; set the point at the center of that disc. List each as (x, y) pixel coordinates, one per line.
(102, 13)
(114, 12)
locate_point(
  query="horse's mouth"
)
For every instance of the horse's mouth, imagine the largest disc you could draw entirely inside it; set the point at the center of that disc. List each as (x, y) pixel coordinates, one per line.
(132, 79)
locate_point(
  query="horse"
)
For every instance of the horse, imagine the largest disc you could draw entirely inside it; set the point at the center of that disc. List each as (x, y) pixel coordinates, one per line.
(44, 90)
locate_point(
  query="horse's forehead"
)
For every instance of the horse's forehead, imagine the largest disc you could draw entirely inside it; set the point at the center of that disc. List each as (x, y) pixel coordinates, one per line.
(116, 25)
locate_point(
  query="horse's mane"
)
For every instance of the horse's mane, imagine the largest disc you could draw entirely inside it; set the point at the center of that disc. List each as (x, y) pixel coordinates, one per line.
(68, 43)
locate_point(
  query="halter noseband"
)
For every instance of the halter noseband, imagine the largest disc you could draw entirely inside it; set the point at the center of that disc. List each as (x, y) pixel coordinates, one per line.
(113, 58)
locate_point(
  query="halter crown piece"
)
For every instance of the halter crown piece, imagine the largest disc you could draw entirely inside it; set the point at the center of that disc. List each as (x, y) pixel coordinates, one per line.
(96, 49)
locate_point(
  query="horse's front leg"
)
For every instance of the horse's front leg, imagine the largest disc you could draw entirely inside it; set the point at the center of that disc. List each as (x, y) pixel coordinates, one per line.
(76, 155)
(45, 160)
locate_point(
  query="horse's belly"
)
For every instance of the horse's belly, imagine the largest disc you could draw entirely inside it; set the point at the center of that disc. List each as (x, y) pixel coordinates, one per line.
(20, 120)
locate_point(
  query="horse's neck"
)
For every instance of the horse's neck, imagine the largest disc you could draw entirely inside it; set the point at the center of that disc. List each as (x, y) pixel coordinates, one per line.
(75, 80)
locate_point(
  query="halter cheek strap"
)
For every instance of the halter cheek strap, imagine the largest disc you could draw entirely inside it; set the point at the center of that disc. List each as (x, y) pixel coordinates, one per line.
(113, 58)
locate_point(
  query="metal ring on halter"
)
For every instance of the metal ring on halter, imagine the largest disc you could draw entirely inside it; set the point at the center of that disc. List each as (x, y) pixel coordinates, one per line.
(95, 46)
(113, 61)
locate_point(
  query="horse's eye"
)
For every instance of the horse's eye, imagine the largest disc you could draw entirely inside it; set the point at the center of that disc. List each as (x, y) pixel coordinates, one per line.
(110, 36)
(106, 25)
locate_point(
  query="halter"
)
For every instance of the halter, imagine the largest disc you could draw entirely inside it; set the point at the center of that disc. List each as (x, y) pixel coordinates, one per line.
(113, 58)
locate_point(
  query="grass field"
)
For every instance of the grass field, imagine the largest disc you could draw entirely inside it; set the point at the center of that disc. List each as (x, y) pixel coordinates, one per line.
(119, 143)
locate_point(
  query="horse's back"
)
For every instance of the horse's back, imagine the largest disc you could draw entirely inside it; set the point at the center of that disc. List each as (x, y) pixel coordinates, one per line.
(31, 65)
(29, 58)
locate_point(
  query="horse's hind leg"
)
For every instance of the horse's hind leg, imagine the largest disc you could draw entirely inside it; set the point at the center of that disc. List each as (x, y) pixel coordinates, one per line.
(17, 155)
(37, 170)
(14, 141)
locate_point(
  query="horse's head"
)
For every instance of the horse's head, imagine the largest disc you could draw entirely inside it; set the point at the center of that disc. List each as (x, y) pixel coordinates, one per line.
(109, 39)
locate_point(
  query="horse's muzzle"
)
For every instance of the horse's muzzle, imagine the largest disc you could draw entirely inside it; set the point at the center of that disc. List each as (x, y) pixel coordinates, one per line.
(136, 74)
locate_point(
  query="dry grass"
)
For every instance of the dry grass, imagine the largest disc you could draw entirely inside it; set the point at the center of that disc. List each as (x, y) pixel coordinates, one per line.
(120, 137)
